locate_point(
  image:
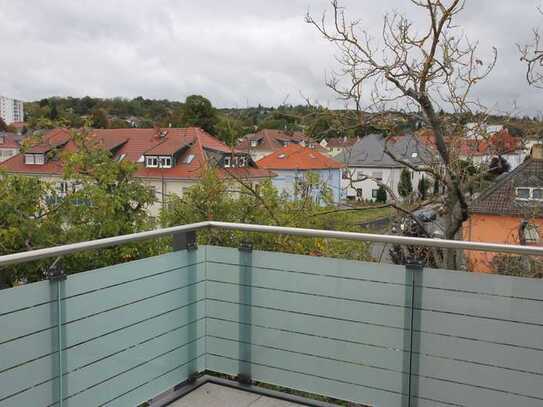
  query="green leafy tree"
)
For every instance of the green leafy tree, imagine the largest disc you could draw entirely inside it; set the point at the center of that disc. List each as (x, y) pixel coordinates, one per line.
(29, 219)
(99, 119)
(199, 112)
(53, 111)
(97, 197)
(405, 187)
(3, 125)
(211, 199)
(381, 194)
(424, 185)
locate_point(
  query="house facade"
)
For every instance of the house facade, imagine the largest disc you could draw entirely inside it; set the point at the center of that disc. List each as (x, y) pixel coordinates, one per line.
(9, 146)
(367, 165)
(170, 160)
(302, 170)
(511, 212)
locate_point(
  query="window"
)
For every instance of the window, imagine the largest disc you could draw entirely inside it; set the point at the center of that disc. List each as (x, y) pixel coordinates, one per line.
(374, 193)
(532, 234)
(188, 159)
(414, 155)
(165, 162)
(151, 161)
(34, 159)
(242, 161)
(227, 162)
(63, 188)
(254, 143)
(526, 193)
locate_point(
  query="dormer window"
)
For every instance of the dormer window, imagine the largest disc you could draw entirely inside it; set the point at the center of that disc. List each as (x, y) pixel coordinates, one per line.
(242, 162)
(165, 162)
(227, 162)
(35, 159)
(151, 161)
(527, 194)
(254, 143)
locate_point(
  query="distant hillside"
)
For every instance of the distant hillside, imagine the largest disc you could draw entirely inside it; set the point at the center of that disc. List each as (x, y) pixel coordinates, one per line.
(230, 123)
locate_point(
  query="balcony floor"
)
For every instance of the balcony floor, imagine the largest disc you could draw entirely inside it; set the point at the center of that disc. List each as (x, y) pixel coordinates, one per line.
(214, 395)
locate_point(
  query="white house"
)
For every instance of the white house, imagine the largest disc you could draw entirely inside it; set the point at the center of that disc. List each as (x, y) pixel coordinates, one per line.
(368, 166)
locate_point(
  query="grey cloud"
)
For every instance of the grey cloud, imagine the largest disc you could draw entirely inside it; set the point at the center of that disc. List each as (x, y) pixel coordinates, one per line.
(235, 52)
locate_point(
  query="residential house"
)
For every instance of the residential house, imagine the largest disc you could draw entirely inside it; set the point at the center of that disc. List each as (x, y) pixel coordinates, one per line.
(170, 160)
(336, 145)
(510, 211)
(367, 166)
(9, 146)
(499, 143)
(267, 141)
(296, 166)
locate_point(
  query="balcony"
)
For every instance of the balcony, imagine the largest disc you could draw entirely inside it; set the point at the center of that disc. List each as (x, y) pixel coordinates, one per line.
(161, 329)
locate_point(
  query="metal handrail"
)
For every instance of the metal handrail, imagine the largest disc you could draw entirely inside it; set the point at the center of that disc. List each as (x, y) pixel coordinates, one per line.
(24, 257)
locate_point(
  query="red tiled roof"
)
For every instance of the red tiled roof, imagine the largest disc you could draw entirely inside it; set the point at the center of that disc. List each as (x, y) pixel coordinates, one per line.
(270, 139)
(297, 157)
(501, 142)
(132, 144)
(500, 199)
(8, 140)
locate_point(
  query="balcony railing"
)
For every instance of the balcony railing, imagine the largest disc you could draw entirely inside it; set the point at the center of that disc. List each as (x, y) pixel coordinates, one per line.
(370, 333)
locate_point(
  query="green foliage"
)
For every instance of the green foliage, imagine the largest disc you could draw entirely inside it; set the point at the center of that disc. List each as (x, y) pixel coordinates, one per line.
(99, 119)
(99, 198)
(3, 125)
(424, 185)
(381, 195)
(198, 111)
(405, 187)
(210, 200)
(27, 221)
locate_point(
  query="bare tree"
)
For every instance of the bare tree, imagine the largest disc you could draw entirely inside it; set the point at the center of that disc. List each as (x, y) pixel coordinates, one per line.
(532, 55)
(423, 70)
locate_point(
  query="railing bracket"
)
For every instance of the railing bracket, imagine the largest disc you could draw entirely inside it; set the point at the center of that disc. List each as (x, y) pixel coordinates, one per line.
(55, 272)
(244, 379)
(246, 246)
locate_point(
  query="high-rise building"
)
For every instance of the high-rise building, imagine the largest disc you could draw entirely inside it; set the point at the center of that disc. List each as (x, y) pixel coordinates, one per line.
(11, 110)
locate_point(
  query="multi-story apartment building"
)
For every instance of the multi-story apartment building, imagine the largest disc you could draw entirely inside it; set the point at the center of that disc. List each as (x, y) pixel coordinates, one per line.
(11, 110)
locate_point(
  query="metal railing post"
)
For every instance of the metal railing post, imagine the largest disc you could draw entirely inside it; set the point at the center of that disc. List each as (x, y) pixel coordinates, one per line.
(244, 375)
(55, 274)
(184, 241)
(187, 240)
(413, 267)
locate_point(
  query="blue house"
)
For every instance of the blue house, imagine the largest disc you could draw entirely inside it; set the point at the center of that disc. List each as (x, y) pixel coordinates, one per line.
(302, 171)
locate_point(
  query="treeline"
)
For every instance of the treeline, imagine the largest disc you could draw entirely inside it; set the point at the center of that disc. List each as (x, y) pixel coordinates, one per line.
(232, 123)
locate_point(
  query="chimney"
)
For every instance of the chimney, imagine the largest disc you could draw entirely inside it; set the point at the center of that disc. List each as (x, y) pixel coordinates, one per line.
(537, 152)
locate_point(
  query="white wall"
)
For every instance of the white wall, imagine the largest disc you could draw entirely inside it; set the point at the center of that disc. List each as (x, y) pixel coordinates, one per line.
(390, 177)
(11, 110)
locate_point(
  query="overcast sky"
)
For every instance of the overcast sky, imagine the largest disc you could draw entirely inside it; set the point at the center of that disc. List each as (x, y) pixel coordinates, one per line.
(235, 52)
